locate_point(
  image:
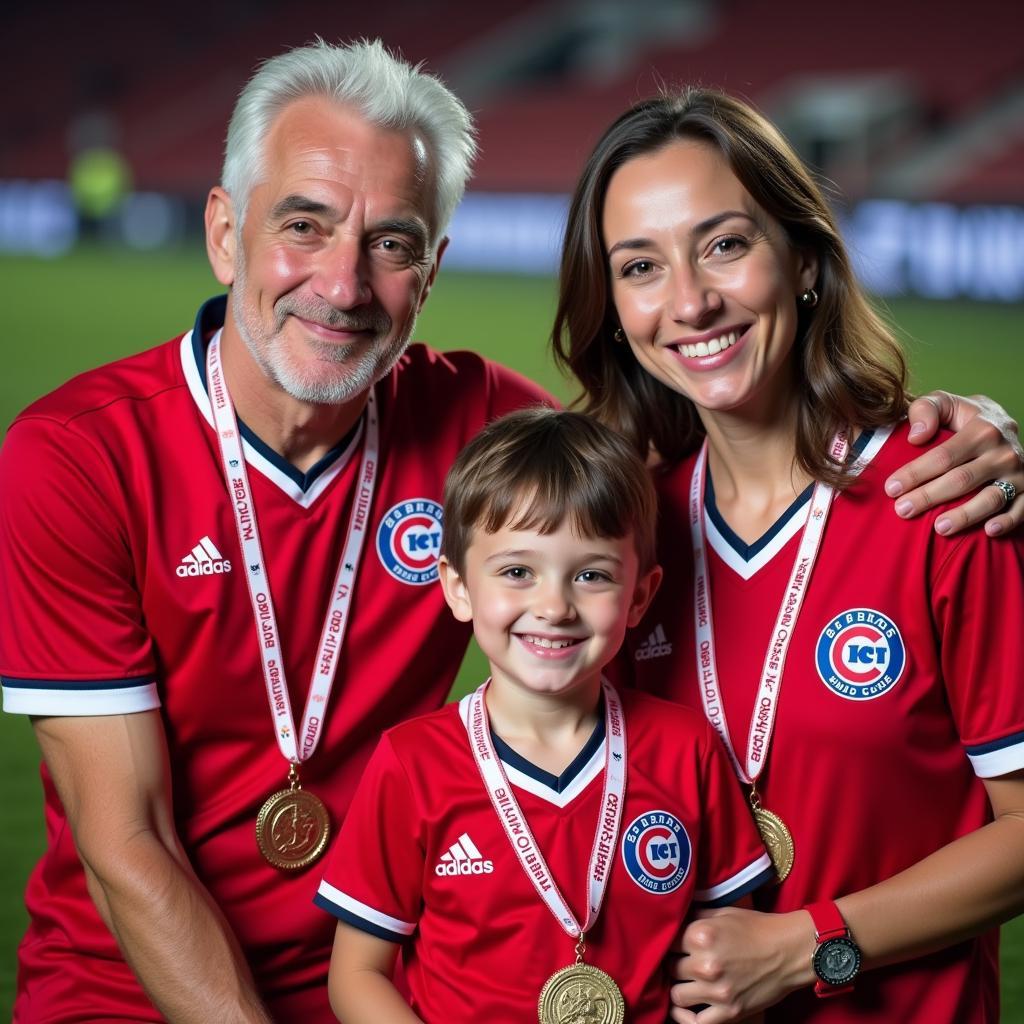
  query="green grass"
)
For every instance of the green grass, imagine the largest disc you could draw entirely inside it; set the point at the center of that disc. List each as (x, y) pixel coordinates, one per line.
(63, 316)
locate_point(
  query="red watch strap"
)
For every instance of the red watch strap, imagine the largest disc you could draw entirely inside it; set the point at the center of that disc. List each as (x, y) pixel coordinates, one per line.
(823, 991)
(828, 922)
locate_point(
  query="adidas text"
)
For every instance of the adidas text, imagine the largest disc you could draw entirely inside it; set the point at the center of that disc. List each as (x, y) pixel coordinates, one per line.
(657, 645)
(204, 568)
(203, 560)
(465, 867)
(658, 651)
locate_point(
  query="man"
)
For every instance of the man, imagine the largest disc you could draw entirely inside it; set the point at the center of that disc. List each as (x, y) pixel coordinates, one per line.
(165, 732)
(183, 592)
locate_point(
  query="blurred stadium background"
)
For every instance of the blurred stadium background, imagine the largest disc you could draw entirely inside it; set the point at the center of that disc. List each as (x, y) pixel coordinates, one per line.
(112, 125)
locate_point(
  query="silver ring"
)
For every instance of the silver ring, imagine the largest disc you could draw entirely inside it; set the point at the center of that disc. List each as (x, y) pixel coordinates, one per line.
(1009, 491)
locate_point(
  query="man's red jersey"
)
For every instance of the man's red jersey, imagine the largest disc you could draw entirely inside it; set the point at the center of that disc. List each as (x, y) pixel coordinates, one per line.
(423, 860)
(902, 690)
(125, 591)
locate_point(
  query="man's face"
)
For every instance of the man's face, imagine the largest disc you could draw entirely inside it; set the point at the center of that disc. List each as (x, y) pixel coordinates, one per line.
(335, 256)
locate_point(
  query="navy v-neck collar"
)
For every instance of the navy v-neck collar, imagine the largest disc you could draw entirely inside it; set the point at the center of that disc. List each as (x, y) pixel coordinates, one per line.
(556, 783)
(209, 320)
(746, 551)
(741, 547)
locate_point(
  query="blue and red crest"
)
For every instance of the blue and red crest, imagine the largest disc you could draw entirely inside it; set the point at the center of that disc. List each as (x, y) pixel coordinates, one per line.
(860, 654)
(409, 540)
(656, 852)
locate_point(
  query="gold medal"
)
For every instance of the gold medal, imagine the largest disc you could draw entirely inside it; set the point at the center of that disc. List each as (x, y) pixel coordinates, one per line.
(778, 840)
(581, 994)
(292, 827)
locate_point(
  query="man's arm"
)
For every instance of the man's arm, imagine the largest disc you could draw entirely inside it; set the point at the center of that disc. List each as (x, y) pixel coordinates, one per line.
(113, 778)
(986, 447)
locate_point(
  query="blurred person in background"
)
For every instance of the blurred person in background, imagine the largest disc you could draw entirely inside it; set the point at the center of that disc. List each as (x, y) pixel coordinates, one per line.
(170, 566)
(862, 670)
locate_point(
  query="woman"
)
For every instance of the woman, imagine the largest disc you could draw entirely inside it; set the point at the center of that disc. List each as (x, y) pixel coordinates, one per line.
(708, 307)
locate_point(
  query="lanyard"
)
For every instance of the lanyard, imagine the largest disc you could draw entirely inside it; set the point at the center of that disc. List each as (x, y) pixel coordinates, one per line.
(332, 635)
(518, 831)
(762, 721)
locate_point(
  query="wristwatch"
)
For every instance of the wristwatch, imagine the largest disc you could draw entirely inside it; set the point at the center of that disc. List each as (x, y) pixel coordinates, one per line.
(836, 959)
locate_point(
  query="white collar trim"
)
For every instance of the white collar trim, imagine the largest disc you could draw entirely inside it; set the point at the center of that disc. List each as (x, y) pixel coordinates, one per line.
(255, 459)
(590, 771)
(746, 569)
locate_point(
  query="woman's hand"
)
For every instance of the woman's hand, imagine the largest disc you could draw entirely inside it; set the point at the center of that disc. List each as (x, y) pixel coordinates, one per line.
(737, 962)
(986, 447)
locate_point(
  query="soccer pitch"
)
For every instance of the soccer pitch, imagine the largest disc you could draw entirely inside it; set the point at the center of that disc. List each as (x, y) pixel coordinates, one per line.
(66, 315)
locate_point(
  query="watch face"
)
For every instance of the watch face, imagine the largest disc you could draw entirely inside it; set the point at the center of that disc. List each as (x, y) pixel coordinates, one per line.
(837, 961)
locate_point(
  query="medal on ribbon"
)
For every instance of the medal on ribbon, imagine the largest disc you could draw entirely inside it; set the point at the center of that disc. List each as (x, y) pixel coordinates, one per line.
(578, 992)
(777, 838)
(292, 826)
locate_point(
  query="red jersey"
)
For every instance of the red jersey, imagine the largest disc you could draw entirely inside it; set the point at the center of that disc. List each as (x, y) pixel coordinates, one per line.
(902, 689)
(125, 591)
(423, 854)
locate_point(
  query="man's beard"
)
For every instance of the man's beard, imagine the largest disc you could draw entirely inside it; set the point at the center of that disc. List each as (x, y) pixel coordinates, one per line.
(364, 361)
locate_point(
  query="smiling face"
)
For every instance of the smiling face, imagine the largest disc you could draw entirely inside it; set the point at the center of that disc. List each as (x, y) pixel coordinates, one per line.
(548, 610)
(704, 282)
(335, 256)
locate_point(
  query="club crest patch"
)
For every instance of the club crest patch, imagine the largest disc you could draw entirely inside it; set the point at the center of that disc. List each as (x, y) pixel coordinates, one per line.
(860, 654)
(656, 852)
(409, 540)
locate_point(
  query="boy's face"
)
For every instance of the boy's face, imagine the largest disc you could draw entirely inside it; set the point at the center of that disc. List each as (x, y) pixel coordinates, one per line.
(549, 611)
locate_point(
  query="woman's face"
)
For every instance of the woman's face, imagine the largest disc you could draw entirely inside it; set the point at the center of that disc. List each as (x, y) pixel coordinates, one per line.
(704, 282)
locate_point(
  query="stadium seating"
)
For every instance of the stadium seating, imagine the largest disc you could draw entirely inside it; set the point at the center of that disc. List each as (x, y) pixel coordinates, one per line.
(167, 79)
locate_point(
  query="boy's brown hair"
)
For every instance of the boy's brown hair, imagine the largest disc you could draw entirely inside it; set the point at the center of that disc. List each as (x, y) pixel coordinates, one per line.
(538, 468)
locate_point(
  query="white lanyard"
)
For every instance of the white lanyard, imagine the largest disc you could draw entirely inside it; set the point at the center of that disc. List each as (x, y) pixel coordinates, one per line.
(336, 621)
(762, 720)
(518, 831)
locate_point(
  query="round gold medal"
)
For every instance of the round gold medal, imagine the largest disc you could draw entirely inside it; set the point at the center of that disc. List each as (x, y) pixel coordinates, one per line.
(581, 994)
(292, 829)
(777, 839)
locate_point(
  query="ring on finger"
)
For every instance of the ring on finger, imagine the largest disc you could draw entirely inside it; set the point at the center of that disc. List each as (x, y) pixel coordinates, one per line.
(1008, 490)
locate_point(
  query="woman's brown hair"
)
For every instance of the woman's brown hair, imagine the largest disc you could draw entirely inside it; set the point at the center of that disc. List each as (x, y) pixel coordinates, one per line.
(851, 371)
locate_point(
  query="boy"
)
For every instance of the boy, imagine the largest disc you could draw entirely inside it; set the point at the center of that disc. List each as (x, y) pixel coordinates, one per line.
(539, 844)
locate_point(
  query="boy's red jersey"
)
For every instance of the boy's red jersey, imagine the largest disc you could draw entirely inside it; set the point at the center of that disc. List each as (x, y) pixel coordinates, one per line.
(423, 860)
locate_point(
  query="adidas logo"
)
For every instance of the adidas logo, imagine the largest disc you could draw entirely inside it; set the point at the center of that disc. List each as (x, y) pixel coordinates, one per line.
(203, 560)
(463, 858)
(655, 646)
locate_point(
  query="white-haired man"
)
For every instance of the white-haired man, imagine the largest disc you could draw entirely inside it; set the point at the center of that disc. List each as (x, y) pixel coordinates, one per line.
(197, 543)
(167, 602)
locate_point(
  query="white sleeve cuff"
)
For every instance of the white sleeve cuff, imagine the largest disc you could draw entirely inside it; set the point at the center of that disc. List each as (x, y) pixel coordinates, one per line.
(750, 878)
(347, 907)
(103, 697)
(1000, 757)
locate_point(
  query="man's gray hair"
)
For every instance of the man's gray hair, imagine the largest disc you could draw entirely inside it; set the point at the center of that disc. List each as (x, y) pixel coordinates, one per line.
(384, 89)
